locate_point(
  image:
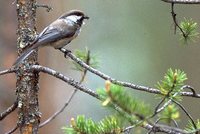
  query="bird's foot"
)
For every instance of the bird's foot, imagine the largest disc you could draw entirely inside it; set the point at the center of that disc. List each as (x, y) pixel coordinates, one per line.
(65, 51)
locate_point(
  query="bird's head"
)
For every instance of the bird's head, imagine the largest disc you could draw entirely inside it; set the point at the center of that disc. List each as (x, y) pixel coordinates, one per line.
(76, 16)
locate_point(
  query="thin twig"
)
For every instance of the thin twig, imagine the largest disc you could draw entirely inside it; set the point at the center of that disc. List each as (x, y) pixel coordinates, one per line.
(48, 8)
(154, 127)
(70, 98)
(165, 129)
(175, 21)
(148, 125)
(7, 71)
(158, 120)
(189, 87)
(59, 111)
(117, 82)
(183, 1)
(186, 112)
(165, 105)
(156, 109)
(8, 110)
(62, 77)
(12, 130)
(127, 129)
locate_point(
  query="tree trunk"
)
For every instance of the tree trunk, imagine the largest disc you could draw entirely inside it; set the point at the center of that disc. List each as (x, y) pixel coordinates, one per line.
(27, 82)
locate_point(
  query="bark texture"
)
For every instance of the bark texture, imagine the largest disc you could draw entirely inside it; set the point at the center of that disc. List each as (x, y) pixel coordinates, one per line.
(27, 82)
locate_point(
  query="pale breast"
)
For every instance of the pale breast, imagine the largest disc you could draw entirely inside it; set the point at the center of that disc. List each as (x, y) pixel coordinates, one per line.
(69, 31)
(61, 43)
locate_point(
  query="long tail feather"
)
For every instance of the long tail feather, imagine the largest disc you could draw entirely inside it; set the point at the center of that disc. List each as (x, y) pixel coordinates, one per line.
(23, 56)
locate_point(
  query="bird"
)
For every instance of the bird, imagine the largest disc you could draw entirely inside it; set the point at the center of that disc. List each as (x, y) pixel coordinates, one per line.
(58, 34)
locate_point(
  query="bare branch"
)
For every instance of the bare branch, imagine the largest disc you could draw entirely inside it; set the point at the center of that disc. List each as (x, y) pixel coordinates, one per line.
(60, 76)
(175, 21)
(159, 128)
(187, 113)
(117, 82)
(165, 129)
(12, 130)
(70, 98)
(48, 8)
(189, 87)
(59, 111)
(8, 111)
(7, 71)
(158, 120)
(183, 1)
(158, 110)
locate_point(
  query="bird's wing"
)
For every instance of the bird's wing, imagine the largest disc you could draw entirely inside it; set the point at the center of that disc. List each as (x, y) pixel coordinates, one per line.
(56, 32)
(48, 35)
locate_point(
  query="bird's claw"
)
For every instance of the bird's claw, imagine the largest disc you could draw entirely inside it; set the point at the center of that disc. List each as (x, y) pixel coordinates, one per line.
(66, 51)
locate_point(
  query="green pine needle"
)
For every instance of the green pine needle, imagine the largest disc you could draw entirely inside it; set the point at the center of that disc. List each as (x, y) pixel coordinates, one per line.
(118, 96)
(189, 28)
(171, 112)
(190, 127)
(86, 57)
(172, 83)
(108, 125)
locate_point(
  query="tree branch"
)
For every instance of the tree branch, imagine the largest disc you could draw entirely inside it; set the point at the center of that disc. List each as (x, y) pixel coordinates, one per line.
(7, 71)
(117, 82)
(60, 76)
(176, 23)
(187, 113)
(156, 122)
(48, 8)
(59, 111)
(13, 130)
(183, 1)
(165, 129)
(72, 82)
(71, 96)
(189, 87)
(8, 111)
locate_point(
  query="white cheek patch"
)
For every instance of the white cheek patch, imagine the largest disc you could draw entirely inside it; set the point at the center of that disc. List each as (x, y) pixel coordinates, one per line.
(74, 18)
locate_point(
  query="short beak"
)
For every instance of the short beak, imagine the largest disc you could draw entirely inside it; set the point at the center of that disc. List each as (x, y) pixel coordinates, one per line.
(86, 17)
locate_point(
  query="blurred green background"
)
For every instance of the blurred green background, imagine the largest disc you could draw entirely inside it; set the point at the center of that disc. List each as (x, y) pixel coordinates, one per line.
(134, 40)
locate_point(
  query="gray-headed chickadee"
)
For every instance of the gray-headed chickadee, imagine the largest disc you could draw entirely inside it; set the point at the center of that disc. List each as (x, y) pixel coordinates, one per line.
(58, 34)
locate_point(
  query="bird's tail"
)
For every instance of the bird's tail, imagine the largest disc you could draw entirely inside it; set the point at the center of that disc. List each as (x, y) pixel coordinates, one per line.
(23, 56)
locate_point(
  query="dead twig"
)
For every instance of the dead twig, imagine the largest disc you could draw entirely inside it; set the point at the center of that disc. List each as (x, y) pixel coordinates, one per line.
(70, 98)
(48, 8)
(117, 82)
(12, 130)
(8, 111)
(183, 1)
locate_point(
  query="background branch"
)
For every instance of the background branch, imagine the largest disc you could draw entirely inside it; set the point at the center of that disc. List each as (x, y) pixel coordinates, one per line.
(13, 130)
(187, 113)
(48, 8)
(8, 111)
(7, 71)
(71, 96)
(117, 82)
(59, 111)
(183, 1)
(60, 76)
